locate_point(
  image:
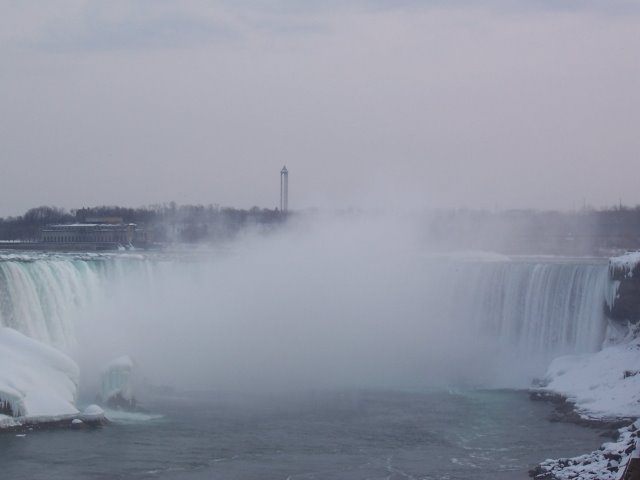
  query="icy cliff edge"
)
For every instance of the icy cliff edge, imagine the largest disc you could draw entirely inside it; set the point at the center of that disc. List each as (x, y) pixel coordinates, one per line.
(625, 264)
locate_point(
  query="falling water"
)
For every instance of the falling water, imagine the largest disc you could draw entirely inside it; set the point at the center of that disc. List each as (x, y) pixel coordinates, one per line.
(534, 307)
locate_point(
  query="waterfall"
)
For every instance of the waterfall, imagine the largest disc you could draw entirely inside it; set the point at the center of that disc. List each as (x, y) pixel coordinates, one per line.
(534, 307)
(547, 307)
(43, 296)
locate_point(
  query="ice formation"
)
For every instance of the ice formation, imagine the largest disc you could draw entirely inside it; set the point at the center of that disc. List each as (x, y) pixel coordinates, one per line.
(37, 382)
(117, 383)
(92, 413)
(626, 263)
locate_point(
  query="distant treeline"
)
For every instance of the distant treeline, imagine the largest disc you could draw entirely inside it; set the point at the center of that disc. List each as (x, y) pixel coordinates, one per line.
(165, 223)
(585, 232)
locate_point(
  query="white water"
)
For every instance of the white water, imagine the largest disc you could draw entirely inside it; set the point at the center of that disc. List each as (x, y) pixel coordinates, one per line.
(534, 307)
(531, 310)
(40, 297)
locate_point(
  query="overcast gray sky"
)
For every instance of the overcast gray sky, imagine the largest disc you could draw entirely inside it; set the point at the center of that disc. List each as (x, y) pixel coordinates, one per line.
(421, 103)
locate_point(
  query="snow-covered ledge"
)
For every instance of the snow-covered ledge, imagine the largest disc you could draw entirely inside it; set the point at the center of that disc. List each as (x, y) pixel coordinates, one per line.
(38, 384)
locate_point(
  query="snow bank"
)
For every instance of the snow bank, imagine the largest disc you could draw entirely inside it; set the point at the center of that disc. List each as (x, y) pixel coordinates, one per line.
(626, 263)
(602, 385)
(607, 463)
(37, 382)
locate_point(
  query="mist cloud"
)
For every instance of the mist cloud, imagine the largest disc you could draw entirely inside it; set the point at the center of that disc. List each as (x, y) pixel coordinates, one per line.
(353, 302)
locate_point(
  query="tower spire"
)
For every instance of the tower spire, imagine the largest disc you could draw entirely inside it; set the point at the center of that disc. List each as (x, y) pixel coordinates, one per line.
(284, 189)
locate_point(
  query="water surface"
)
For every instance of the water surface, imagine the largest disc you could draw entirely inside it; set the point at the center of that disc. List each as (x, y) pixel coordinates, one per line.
(316, 435)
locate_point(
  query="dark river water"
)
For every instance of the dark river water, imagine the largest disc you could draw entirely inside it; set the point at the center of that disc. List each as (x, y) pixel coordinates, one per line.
(323, 435)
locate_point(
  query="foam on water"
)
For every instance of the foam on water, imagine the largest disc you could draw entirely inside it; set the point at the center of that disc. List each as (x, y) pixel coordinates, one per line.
(120, 416)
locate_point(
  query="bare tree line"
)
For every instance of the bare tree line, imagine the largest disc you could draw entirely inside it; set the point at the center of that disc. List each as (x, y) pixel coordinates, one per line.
(585, 232)
(167, 222)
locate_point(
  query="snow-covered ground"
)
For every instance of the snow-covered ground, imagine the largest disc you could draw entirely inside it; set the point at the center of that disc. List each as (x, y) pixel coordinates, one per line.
(608, 463)
(602, 386)
(37, 382)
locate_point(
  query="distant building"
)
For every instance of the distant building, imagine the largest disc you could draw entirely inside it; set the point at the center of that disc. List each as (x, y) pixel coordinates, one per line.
(98, 235)
(110, 220)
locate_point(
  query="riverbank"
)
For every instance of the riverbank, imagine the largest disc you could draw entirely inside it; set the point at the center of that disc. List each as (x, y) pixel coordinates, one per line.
(606, 463)
(596, 389)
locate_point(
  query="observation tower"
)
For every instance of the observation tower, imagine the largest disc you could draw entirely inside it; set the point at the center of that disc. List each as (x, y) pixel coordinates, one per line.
(284, 189)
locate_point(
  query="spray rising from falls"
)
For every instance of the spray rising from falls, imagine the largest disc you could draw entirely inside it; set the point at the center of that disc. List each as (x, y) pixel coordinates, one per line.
(345, 320)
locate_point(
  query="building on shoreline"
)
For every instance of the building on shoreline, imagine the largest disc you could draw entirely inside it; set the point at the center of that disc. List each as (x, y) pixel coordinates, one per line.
(103, 234)
(122, 234)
